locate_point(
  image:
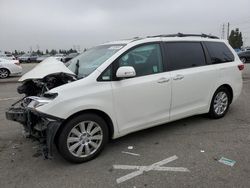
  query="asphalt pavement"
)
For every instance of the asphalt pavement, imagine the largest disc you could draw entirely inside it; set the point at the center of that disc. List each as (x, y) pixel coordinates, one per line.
(195, 144)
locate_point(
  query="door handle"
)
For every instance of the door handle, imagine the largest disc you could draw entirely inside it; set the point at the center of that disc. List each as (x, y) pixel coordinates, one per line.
(163, 80)
(178, 77)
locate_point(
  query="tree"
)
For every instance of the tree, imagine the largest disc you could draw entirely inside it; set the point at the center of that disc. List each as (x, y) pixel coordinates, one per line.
(47, 51)
(53, 52)
(235, 39)
(38, 52)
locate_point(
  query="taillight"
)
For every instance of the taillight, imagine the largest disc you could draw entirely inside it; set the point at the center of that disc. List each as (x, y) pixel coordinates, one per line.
(241, 67)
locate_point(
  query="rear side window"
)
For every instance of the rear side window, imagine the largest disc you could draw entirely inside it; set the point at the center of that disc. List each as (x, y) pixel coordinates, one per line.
(219, 52)
(184, 55)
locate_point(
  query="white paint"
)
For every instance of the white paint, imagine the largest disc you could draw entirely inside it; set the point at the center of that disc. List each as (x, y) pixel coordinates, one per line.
(140, 169)
(135, 154)
(145, 101)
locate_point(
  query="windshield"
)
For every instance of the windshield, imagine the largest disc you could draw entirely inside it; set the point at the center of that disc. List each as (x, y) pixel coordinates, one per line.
(85, 63)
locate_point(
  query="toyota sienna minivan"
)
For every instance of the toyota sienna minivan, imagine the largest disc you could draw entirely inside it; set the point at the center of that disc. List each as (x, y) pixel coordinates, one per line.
(124, 86)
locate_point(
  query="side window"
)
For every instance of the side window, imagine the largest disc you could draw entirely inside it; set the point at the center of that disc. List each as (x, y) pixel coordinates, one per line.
(184, 55)
(219, 52)
(106, 75)
(145, 59)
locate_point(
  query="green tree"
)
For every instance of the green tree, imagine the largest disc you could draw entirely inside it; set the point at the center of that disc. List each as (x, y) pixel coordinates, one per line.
(235, 38)
(53, 52)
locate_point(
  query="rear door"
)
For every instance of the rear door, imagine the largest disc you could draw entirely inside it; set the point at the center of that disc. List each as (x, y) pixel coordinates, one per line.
(192, 79)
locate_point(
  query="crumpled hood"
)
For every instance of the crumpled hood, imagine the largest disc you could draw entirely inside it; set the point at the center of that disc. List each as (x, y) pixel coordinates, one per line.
(49, 66)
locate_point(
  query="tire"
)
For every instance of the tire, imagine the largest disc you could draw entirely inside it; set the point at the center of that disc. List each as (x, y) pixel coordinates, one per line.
(75, 142)
(220, 103)
(243, 59)
(4, 73)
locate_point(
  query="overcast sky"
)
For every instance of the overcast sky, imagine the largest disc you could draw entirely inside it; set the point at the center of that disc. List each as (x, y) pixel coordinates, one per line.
(61, 24)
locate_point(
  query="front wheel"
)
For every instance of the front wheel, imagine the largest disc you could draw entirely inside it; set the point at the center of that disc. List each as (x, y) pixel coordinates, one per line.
(4, 73)
(83, 138)
(220, 103)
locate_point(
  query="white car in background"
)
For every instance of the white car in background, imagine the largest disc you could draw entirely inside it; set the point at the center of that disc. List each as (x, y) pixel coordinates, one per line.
(7, 56)
(9, 68)
(60, 57)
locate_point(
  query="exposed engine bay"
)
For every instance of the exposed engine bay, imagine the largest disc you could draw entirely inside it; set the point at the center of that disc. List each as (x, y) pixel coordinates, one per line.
(39, 86)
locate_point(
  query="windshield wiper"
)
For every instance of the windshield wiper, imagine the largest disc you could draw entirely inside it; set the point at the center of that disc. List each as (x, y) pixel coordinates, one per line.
(77, 67)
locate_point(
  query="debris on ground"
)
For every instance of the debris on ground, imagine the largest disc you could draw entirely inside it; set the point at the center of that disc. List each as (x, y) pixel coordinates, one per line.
(130, 147)
(129, 153)
(226, 161)
(15, 146)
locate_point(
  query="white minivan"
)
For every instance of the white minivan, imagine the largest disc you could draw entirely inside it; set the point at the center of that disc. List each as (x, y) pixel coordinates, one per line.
(124, 86)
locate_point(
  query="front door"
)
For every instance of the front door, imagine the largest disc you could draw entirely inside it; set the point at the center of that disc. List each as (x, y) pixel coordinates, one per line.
(144, 100)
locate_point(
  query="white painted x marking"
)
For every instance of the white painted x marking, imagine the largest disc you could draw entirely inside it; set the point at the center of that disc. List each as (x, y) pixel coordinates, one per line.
(140, 169)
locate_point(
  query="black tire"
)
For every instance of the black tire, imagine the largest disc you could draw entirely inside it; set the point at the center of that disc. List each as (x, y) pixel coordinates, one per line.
(4, 73)
(213, 113)
(62, 143)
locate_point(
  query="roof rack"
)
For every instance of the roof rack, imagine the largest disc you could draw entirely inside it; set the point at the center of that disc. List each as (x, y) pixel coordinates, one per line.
(186, 35)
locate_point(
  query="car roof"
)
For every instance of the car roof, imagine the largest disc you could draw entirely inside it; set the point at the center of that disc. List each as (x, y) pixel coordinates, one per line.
(170, 37)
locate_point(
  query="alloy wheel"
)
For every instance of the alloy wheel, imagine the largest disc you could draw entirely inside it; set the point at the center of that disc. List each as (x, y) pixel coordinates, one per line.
(220, 103)
(4, 73)
(84, 139)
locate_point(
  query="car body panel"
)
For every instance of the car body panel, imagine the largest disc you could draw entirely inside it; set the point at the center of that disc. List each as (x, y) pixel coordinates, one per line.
(140, 102)
(11, 66)
(49, 66)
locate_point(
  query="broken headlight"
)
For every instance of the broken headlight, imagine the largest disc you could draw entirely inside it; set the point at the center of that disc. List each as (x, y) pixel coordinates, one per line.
(36, 102)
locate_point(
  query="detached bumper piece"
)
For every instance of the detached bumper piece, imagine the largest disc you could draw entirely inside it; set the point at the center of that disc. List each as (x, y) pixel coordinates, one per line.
(39, 126)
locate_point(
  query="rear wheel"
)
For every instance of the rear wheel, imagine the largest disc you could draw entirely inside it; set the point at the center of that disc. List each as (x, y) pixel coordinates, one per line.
(83, 138)
(4, 73)
(220, 103)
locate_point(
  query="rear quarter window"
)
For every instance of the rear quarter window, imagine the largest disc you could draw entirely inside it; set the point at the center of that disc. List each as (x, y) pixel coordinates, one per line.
(219, 52)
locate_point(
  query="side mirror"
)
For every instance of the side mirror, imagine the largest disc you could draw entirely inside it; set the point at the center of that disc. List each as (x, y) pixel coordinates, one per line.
(125, 72)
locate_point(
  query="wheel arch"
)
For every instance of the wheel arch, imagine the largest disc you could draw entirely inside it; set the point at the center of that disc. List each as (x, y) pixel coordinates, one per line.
(100, 113)
(229, 88)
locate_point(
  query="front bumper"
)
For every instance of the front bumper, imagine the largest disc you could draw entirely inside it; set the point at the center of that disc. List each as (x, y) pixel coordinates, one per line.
(37, 125)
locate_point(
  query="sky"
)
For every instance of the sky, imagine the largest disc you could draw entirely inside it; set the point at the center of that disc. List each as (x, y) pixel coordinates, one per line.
(65, 24)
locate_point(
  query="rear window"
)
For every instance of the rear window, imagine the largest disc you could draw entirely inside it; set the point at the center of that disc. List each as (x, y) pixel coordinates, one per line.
(184, 55)
(219, 52)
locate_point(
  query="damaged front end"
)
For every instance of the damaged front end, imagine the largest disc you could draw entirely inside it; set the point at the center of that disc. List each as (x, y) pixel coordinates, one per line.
(38, 125)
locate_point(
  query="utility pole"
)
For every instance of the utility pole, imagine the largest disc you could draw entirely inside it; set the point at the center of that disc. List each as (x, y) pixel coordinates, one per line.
(223, 31)
(228, 25)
